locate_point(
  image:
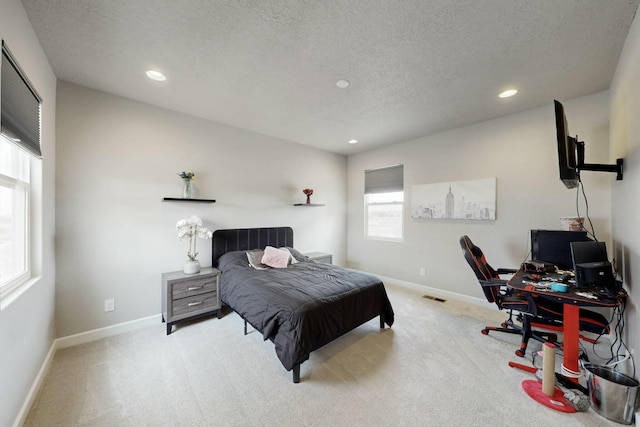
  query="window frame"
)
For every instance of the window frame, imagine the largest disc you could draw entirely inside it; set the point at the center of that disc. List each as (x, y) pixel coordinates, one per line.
(16, 184)
(387, 180)
(368, 203)
(21, 129)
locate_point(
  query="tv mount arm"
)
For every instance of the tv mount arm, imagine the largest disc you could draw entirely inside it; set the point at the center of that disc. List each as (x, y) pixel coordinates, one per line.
(582, 166)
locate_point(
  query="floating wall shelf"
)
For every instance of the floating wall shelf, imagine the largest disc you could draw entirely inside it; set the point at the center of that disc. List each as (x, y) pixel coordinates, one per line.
(307, 204)
(177, 199)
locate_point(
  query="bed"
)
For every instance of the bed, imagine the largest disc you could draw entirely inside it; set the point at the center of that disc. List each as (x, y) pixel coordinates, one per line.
(301, 307)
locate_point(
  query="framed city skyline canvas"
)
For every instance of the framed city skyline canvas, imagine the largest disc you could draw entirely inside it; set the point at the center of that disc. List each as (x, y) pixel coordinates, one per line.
(467, 200)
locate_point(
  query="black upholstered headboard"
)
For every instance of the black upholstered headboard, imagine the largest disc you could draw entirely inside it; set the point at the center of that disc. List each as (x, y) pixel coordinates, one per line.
(241, 239)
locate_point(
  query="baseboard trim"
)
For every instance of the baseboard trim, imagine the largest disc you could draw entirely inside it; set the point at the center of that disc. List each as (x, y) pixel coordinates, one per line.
(108, 331)
(439, 292)
(73, 340)
(145, 322)
(33, 391)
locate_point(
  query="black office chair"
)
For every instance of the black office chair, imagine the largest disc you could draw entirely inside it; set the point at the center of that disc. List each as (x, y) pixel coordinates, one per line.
(531, 312)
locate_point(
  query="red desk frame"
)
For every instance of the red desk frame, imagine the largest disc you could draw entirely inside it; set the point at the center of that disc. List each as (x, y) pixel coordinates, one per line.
(572, 304)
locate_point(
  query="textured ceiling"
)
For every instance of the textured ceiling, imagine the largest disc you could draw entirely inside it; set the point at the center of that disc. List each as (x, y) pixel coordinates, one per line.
(416, 67)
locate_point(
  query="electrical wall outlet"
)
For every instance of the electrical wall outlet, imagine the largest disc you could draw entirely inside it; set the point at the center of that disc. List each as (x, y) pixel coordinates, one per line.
(109, 305)
(423, 271)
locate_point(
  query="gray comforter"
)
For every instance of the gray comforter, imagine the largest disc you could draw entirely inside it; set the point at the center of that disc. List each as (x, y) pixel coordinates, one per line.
(304, 306)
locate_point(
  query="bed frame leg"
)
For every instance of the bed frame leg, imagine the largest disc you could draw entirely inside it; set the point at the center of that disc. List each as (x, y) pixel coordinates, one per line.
(296, 373)
(381, 320)
(245, 327)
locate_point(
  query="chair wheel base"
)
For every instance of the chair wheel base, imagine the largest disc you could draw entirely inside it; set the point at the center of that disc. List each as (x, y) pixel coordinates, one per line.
(485, 331)
(520, 353)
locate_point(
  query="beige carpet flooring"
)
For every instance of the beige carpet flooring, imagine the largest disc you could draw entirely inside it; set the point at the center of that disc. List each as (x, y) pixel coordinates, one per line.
(433, 368)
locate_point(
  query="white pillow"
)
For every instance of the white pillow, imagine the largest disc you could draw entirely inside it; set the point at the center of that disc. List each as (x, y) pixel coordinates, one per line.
(254, 258)
(276, 258)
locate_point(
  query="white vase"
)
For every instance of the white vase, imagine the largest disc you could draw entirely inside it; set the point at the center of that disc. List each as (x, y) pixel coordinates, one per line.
(192, 267)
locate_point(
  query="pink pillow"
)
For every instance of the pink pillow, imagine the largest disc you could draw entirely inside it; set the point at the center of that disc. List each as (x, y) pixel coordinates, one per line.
(276, 258)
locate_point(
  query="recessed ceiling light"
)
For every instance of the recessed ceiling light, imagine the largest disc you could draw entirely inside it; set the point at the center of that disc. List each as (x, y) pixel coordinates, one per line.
(156, 75)
(508, 93)
(342, 84)
(353, 141)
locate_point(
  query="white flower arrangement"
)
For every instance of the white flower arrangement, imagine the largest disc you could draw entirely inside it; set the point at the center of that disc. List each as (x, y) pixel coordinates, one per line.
(193, 229)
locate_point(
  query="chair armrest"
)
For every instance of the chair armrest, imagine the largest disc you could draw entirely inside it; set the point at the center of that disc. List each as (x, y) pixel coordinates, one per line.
(532, 307)
(506, 271)
(493, 282)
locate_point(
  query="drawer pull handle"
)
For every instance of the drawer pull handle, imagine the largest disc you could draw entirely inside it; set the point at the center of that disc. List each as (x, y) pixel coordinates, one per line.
(191, 304)
(195, 288)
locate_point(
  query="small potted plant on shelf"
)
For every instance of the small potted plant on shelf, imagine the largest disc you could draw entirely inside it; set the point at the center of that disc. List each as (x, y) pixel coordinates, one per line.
(193, 229)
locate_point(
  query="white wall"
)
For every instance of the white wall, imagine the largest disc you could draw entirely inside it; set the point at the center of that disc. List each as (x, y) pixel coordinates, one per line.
(625, 142)
(520, 150)
(118, 158)
(26, 323)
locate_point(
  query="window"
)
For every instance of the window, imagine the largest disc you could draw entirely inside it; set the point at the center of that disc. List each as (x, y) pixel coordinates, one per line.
(384, 215)
(384, 203)
(20, 140)
(14, 216)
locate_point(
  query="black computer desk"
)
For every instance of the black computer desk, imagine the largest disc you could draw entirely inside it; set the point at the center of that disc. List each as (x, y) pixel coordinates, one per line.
(572, 300)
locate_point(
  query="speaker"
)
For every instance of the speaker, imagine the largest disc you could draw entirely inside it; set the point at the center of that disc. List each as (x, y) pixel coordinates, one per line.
(594, 274)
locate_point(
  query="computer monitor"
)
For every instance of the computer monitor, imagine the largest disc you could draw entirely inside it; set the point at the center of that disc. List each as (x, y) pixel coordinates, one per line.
(554, 246)
(586, 252)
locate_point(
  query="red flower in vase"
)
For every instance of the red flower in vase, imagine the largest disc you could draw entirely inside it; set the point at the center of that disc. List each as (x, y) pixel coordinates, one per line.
(308, 192)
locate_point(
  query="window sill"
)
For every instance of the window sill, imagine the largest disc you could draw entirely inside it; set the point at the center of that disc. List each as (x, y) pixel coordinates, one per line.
(11, 296)
(385, 239)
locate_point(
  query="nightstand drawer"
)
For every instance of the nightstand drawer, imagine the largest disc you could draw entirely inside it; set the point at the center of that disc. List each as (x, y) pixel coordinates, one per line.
(187, 288)
(195, 304)
(189, 296)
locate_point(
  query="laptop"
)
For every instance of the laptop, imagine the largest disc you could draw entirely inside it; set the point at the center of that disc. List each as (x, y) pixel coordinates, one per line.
(591, 265)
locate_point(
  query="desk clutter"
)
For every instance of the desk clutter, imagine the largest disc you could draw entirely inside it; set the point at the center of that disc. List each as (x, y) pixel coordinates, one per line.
(545, 277)
(568, 260)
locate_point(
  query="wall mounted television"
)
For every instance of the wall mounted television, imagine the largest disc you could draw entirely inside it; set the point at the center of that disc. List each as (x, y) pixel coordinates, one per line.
(571, 154)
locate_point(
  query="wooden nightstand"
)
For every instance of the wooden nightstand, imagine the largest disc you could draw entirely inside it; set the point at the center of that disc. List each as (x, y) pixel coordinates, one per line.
(320, 257)
(189, 296)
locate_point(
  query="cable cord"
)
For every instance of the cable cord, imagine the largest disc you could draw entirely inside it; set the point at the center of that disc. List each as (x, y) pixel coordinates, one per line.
(609, 327)
(579, 189)
(593, 232)
(616, 356)
(618, 345)
(528, 255)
